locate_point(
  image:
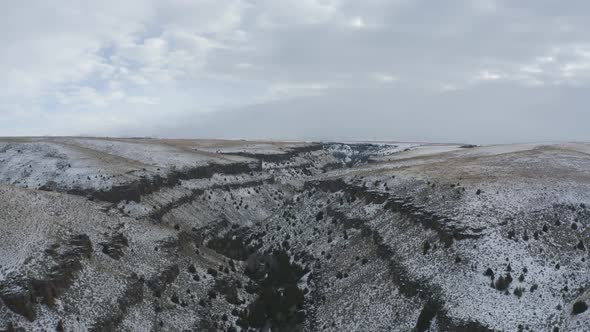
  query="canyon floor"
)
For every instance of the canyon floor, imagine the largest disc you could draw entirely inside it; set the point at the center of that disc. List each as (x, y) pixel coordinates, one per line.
(107, 234)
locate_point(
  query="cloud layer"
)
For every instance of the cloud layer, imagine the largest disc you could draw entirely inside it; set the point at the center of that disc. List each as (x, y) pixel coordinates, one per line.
(460, 70)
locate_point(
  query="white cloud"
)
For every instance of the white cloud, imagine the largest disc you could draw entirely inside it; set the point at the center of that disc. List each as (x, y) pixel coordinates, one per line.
(88, 55)
(487, 75)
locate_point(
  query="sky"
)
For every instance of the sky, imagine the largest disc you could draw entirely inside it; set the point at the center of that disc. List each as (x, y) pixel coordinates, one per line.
(473, 71)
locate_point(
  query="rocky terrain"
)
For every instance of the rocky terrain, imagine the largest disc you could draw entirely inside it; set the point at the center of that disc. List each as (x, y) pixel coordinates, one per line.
(202, 235)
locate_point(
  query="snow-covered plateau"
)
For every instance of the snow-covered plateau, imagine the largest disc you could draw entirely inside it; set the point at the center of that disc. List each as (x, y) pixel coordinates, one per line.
(105, 234)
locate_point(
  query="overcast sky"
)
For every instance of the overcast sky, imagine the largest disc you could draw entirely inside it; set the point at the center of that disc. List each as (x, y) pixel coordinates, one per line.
(482, 71)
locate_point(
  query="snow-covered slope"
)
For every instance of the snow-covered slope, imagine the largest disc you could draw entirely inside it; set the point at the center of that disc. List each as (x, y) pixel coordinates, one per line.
(175, 235)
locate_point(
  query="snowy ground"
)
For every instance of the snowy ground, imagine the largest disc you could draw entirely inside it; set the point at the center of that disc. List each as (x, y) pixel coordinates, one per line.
(379, 236)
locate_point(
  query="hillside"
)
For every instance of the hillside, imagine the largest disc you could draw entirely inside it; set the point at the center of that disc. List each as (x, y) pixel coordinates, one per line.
(213, 235)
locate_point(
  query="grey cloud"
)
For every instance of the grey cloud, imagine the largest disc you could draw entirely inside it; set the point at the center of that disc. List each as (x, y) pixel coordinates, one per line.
(496, 113)
(419, 41)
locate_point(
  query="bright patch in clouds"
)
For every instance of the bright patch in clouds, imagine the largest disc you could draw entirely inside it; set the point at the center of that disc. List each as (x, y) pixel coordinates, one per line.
(384, 78)
(357, 22)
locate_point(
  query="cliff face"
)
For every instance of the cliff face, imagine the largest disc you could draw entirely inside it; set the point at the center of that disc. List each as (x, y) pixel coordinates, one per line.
(175, 235)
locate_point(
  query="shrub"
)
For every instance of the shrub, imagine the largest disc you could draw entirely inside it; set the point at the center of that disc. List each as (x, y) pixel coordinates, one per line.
(425, 247)
(212, 272)
(192, 269)
(579, 307)
(502, 282)
(319, 216)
